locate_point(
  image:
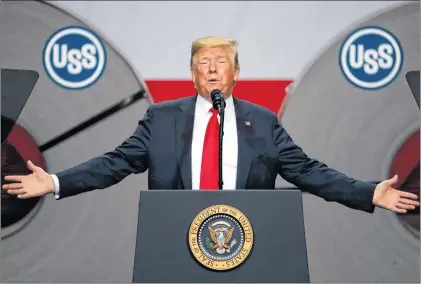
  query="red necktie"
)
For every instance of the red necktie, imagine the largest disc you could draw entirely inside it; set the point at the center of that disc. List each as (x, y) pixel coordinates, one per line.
(210, 167)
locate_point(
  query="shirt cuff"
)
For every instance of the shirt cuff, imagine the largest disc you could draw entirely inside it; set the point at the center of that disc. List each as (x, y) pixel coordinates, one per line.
(56, 186)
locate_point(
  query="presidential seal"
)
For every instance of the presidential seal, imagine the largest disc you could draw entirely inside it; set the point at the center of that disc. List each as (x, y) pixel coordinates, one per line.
(220, 237)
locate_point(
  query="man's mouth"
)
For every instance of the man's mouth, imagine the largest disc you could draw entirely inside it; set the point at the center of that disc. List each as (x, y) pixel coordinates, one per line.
(213, 81)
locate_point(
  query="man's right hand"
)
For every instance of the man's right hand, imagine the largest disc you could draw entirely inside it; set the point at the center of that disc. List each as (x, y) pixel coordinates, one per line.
(38, 183)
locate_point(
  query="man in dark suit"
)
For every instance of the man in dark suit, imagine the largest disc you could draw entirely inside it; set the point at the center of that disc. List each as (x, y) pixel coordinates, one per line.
(177, 141)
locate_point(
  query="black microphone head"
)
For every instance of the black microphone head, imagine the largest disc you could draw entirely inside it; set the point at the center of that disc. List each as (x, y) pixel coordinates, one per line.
(217, 99)
(215, 94)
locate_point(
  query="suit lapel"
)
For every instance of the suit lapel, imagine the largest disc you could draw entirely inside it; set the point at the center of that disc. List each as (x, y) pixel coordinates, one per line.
(184, 134)
(245, 145)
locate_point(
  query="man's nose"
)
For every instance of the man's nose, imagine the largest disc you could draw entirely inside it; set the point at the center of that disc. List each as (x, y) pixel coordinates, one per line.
(212, 67)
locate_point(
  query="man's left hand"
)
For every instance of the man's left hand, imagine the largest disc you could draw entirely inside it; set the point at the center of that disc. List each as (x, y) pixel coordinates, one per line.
(387, 197)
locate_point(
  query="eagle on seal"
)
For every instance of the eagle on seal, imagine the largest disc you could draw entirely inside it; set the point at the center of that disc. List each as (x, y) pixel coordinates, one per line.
(220, 239)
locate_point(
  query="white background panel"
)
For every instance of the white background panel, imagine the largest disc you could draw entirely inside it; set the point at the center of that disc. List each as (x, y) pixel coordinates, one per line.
(276, 38)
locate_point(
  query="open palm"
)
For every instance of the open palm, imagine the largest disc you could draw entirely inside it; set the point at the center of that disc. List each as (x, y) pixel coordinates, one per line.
(387, 197)
(38, 183)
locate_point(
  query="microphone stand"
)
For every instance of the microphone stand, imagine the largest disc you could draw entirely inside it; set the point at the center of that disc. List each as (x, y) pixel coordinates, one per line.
(221, 134)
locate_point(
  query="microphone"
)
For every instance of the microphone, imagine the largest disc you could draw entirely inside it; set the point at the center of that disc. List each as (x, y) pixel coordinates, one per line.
(218, 100)
(218, 103)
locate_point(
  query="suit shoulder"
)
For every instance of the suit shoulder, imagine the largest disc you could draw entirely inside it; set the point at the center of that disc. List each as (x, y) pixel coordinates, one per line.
(257, 110)
(171, 104)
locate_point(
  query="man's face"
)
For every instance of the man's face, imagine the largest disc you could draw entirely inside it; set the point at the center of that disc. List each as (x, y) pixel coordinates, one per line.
(214, 68)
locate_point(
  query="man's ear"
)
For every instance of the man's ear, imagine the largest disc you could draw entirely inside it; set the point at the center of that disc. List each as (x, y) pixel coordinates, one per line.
(193, 75)
(236, 74)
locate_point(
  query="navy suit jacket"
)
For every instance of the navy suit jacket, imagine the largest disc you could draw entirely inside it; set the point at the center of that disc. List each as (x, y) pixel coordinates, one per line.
(161, 144)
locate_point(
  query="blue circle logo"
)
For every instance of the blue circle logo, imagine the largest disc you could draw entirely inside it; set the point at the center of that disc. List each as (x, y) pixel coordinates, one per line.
(74, 57)
(371, 58)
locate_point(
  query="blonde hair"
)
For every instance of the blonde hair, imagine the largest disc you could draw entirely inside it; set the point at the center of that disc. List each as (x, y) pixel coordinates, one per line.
(214, 41)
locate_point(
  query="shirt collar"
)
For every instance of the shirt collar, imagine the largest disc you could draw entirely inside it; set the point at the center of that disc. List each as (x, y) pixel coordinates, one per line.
(203, 105)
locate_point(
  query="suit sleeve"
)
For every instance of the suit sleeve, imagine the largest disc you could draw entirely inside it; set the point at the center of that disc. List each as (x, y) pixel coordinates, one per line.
(112, 167)
(316, 177)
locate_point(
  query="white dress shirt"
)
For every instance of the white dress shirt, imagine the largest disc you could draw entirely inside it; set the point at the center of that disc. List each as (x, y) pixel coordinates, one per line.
(229, 150)
(229, 143)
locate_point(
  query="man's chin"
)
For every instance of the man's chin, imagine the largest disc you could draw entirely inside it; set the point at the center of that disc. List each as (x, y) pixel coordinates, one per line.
(218, 87)
(214, 87)
(207, 92)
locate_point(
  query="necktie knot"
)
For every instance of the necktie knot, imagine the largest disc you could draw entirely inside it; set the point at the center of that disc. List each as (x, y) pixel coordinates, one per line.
(213, 111)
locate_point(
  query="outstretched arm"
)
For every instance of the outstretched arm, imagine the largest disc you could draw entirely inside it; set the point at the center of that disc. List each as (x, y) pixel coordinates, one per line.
(317, 178)
(97, 173)
(112, 167)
